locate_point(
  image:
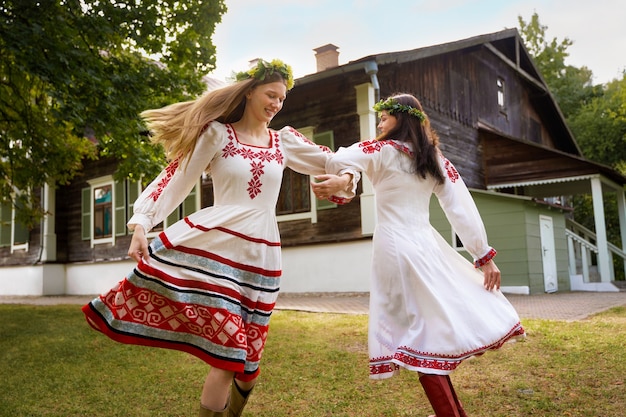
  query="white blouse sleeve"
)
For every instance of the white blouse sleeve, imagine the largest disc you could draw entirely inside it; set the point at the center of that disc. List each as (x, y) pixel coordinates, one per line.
(351, 157)
(308, 158)
(462, 213)
(173, 184)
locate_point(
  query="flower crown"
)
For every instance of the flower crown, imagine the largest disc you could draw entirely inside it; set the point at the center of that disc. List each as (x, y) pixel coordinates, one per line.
(392, 106)
(264, 68)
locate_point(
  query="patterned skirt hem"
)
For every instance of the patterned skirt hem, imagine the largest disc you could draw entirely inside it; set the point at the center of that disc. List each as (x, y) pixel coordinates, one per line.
(387, 367)
(97, 322)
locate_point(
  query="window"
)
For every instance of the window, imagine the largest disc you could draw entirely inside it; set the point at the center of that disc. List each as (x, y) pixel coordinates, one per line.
(534, 130)
(107, 205)
(501, 94)
(294, 194)
(326, 139)
(189, 205)
(103, 212)
(6, 224)
(296, 200)
(12, 233)
(456, 242)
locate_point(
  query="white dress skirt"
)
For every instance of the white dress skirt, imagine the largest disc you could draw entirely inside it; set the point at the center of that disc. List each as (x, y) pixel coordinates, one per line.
(428, 309)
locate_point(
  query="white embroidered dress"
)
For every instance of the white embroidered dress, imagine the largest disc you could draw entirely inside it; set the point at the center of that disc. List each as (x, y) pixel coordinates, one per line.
(212, 279)
(428, 308)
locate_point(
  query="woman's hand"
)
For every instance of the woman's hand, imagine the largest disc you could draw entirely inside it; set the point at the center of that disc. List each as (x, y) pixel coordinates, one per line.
(139, 245)
(328, 185)
(492, 276)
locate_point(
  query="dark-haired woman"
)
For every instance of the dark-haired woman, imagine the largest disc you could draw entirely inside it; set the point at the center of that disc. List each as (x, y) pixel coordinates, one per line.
(430, 308)
(207, 285)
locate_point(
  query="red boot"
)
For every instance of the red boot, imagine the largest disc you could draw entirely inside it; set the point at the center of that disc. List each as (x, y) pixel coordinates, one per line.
(441, 395)
(459, 407)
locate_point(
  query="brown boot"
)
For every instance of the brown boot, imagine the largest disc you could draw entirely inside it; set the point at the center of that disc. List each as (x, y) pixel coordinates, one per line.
(206, 412)
(439, 393)
(238, 400)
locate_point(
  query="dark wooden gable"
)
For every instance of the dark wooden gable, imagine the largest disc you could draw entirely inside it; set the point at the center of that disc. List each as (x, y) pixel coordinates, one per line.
(457, 83)
(509, 161)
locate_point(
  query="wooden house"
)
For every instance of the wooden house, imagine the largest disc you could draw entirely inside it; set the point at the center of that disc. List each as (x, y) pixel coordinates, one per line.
(497, 121)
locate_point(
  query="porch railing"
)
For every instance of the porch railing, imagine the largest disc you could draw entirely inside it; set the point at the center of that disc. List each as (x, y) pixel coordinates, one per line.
(582, 251)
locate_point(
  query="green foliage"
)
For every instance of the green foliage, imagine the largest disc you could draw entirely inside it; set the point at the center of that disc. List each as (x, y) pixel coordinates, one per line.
(596, 114)
(569, 85)
(600, 126)
(76, 73)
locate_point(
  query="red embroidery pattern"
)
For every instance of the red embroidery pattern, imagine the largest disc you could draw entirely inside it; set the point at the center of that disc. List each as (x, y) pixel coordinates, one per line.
(453, 174)
(383, 367)
(372, 146)
(229, 150)
(412, 358)
(482, 261)
(258, 158)
(170, 170)
(440, 364)
(339, 200)
(141, 306)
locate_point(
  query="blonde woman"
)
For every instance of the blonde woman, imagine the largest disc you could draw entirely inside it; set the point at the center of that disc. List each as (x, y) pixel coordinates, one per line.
(430, 308)
(207, 285)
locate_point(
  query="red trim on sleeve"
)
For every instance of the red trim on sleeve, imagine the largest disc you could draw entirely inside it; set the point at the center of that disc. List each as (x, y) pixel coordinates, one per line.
(485, 259)
(339, 200)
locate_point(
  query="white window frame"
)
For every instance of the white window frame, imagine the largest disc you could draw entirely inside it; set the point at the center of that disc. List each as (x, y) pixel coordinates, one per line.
(308, 132)
(97, 183)
(12, 223)
(14, 247)
(312, 214)
(501, 94)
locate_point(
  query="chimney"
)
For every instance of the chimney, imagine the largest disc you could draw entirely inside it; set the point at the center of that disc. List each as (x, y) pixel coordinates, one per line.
(327, 56)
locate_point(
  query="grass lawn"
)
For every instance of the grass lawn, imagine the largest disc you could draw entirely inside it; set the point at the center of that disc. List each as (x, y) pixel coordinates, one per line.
(315, 364)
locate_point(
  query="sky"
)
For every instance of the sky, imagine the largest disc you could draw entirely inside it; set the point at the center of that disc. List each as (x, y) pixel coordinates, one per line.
(291, 29)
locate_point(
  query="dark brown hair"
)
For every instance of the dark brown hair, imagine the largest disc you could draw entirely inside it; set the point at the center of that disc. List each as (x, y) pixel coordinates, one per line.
(424, 139)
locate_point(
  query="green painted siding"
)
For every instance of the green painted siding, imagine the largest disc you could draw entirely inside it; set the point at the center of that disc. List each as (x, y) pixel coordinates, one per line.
(512, 225)
(504, 222)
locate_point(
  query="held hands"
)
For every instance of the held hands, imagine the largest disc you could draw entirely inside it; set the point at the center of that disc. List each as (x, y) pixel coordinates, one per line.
(139, 245)
(328, 185)
(492, 276)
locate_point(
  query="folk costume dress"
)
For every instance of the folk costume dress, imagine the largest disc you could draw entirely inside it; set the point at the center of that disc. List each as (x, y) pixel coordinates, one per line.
(428, 308)
(212, 279)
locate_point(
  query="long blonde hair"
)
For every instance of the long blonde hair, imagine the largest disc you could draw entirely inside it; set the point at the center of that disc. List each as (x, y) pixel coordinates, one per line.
(176, 127)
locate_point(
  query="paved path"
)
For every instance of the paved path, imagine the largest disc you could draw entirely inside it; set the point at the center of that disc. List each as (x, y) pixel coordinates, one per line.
(557, 306)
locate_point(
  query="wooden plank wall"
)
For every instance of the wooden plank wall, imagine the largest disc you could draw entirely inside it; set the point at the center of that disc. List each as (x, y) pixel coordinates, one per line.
(70, 245)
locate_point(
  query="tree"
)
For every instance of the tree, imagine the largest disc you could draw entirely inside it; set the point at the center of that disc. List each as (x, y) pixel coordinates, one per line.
(75, 74)
(596, 115)
(570, 86)
(600, 126)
